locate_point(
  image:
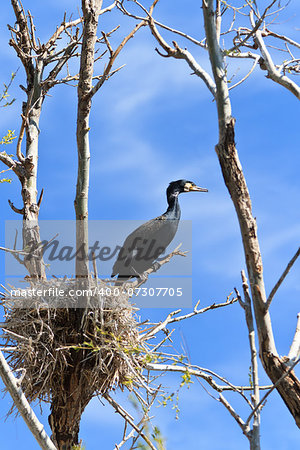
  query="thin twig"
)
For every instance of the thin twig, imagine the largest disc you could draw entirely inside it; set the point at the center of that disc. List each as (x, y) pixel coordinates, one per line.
(179, 53)
(19, 252)
(294, 352)
(246, 76)
(234, 414)
(158, 327)
(284, 38)
(40, 198)
(281, 279)
(205, 376)
(203, 310)
(254, 29)
(16, 210)
(161, 25)
(120, 410)
(271, 390)
(247, 306)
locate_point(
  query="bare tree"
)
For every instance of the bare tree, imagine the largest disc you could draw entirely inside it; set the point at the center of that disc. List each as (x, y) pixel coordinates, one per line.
(250, 42)
(74, 388)
(35, 58)
(277, 368)
(77, 390)
(130, 358)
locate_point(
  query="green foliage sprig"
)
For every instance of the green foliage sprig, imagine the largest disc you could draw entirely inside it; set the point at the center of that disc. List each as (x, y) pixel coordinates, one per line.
(5, 95)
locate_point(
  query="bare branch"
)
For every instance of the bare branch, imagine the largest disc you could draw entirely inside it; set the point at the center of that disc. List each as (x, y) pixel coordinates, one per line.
(203, 310)
(40, 198)
(280, 36)
(16, 210)
(25, 42)
(146, 408)
(5, 170)
(156, 266)
(104, 35)
(179, 53)
(254, 29)
(19, 154)
(218, 68)
(294, 352)
(18, 252)
(201, 373)
(167, 337)
(108, 8)
(32, 32)
(289, 66)
(16, 166)
(7, 160)
(23, 406)
(113, 55)
(67, 54)
(158, 327)
(243, 55)
(254, 364)
(218, 19)
(273, 73)
(244, 427)
(120, 5)
(247, 75)
(66, 80)
(120, 410)
(170, 318)
(281, 279)
(23, 45)
(176, 368)
(64, 26)
(260, 404)
(175, 52)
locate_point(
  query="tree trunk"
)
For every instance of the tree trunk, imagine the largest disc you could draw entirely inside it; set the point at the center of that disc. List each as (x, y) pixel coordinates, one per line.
(31, 233)
(91, 12)
(289, 388)
(68, 404)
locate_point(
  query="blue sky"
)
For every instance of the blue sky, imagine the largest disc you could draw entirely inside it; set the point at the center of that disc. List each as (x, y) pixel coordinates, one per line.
(153, 123)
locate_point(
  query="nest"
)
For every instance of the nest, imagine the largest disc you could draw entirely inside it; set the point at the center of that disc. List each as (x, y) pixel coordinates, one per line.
(45, 336)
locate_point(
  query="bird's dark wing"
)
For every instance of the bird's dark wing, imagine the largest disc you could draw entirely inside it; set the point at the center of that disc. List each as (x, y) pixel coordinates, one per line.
(143, 246)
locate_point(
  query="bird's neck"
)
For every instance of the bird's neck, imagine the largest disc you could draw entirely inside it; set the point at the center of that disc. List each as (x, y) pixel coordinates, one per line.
(173, 211)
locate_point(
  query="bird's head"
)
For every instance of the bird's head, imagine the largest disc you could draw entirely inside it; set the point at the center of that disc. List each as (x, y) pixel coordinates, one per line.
(179, 186)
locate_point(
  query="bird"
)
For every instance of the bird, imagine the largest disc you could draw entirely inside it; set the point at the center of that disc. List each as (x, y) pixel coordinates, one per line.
(146, 243)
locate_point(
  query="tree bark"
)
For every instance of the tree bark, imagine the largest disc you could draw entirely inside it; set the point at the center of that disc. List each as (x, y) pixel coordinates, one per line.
(24, 43)
(31, 232)
(91, 10)
(289, 388)
(67, 405)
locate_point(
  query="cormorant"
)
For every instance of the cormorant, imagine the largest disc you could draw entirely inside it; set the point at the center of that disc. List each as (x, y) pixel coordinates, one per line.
(145, 244)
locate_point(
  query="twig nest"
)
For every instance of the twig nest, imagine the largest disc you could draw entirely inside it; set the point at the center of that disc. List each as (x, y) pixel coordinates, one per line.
(52, 330)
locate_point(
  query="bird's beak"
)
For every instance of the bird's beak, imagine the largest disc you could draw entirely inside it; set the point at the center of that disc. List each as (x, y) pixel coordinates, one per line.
(197, 188)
